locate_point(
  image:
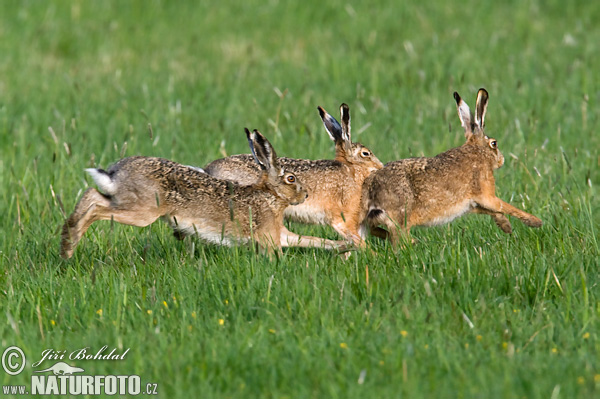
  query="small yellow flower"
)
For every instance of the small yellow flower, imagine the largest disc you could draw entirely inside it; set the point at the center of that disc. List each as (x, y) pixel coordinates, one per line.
(586, 335)
(190, 328)
(404, 333)
(344, 345)
(426, 346)
(165, 304)
(597, 378)
(149, 311)
(99, 312)
(52, 322)
(504, 345)
(226, 302)
(479, 338)
(272, 331)
(221, 322)
(466, 345)
(381, 362)
(580, 380)
(193, 315)
(554, 350)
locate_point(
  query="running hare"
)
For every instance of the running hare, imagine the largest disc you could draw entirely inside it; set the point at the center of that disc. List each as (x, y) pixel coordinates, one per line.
(334, 186)
(139, 190)
(431, 191)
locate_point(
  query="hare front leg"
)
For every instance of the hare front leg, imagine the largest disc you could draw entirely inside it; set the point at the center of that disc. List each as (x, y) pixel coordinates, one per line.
(348, 227)
(94, 206)
(495, 204)
(266, 245)
(289, 239)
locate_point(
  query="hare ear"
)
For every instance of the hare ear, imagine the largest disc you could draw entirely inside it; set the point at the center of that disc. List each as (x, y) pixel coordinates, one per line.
(481, 107)
(345, 114)
(464, 113)
(331, 125)
(262, 151)
(346, 133)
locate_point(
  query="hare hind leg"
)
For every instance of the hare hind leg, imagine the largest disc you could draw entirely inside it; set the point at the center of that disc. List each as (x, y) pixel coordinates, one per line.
(398, 233)
(94, 206)
(499, 218)
(80, 220)
(379, 233)
(497, 205)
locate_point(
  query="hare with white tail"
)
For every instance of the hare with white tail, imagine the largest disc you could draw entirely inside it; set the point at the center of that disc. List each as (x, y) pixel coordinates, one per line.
(430, 191)
(139, 190)
(334, 185)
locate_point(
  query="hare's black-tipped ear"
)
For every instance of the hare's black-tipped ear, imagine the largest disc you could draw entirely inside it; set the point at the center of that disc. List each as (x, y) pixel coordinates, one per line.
(345, 115)
(251, 137)
(464, 113)
(331, 125)
(261, 149)
(481, 107)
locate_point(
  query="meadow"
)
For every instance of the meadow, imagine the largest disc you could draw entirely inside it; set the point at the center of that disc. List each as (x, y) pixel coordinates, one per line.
(465, 312)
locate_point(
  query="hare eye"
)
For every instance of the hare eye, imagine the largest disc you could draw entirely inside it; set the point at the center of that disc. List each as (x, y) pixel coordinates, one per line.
(365, 154)
(291, 179)
(493, 144)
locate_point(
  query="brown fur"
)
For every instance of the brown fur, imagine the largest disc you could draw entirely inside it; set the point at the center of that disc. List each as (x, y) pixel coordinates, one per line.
(142, 189)
(333, 186)
(430, 191)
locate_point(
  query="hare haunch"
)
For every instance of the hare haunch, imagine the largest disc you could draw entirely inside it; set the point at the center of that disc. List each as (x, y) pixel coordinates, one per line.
(139, 190)
(334, 186)
(432, 191)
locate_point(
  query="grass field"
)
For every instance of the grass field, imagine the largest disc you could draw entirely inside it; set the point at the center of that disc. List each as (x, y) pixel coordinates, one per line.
(466, 312)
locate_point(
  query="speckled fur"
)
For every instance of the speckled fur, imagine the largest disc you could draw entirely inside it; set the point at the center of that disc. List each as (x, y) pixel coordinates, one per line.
(333, 186)
(430, 191)
(191, 201)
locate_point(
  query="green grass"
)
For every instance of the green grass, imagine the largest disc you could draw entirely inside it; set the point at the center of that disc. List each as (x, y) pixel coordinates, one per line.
(467, 312)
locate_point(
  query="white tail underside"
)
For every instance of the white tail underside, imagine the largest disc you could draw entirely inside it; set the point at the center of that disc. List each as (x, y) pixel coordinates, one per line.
(103, 181)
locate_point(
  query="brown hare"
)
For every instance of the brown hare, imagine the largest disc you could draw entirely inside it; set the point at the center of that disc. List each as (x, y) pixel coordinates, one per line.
(334, 186)
(431, 191)
(139, 190)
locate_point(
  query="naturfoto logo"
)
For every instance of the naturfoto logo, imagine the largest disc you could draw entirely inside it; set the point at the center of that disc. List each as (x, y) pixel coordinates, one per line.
(82, 354)
(62, 378)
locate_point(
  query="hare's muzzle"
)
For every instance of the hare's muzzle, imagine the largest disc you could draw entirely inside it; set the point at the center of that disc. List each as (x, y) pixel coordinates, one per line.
(500, 159)
(300, 197)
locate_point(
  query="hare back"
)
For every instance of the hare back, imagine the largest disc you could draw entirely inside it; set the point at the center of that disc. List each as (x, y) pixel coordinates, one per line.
(309, 168)
(241, 169)
(181, 190)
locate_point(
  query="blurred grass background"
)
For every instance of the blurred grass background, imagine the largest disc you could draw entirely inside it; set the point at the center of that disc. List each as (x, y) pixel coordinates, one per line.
(467, 312)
